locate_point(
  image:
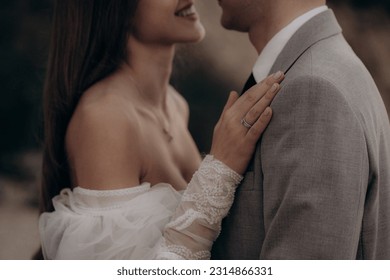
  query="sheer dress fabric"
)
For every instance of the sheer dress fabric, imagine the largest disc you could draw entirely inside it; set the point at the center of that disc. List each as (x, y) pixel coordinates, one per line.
(143, 222)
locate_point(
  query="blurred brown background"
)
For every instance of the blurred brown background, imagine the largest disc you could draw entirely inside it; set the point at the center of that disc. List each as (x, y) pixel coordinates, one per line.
(204, 73)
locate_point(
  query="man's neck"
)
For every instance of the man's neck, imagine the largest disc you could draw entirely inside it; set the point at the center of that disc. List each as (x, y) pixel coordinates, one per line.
(278, 17)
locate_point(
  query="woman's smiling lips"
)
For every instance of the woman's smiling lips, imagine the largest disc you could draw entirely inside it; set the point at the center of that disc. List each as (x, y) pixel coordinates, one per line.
(187, 11)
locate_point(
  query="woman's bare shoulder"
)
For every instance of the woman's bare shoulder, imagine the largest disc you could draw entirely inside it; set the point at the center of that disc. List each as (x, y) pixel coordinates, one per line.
(103, 107)
(103, 141)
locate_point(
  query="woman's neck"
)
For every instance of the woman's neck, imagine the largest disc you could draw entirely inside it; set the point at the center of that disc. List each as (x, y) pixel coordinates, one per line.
(150, 66)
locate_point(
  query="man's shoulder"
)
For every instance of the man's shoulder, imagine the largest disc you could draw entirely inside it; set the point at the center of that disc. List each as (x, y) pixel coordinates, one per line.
(331, 67)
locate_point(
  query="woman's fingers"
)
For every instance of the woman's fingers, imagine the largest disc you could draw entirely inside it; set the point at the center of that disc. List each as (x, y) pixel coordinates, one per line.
(254, 113)
(260, 125)
(255, 93)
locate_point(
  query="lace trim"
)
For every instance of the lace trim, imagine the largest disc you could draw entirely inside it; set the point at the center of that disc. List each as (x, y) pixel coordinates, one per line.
(116, 192)
(187, 254)
(184, 221)
(181, 253)
(211, 163)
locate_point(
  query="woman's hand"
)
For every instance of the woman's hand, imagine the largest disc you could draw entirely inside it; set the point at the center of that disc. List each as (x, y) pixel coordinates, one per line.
(242, 122)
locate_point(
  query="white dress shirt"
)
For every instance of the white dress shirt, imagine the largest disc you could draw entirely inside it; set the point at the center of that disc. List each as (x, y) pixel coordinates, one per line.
(275, 46)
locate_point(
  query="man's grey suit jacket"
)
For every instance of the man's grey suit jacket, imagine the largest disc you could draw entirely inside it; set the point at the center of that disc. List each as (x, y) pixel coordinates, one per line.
(319, 184)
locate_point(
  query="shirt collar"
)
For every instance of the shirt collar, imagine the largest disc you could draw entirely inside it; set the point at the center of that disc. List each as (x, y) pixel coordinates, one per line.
(275, 46)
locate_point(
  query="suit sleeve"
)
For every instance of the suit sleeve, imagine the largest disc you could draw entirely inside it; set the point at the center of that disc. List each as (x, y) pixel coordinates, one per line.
(315, 174)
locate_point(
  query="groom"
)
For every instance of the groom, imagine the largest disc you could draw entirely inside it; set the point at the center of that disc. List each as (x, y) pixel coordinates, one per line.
(319, 184)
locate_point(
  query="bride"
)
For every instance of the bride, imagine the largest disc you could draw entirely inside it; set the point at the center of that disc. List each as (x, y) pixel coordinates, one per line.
(122, 177)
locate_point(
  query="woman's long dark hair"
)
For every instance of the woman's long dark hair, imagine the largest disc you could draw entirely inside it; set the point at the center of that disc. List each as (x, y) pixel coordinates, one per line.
(89, 40)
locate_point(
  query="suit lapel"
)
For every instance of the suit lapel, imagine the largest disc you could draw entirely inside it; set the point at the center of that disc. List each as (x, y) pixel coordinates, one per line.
(316, 29)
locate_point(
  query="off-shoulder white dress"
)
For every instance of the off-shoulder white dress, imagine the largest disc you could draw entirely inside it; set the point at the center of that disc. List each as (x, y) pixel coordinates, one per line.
(143, 222)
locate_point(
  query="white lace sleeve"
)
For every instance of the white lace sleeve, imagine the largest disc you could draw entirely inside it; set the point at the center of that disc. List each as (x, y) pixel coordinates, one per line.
(197, 220)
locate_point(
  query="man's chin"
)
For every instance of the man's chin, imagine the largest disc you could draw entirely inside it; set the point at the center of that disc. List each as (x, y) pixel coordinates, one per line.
(229, 25)
(226, 24)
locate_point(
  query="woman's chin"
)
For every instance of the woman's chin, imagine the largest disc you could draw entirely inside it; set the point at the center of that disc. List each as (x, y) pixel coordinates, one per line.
(198, 35)
(194, 38)
(198, 39)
